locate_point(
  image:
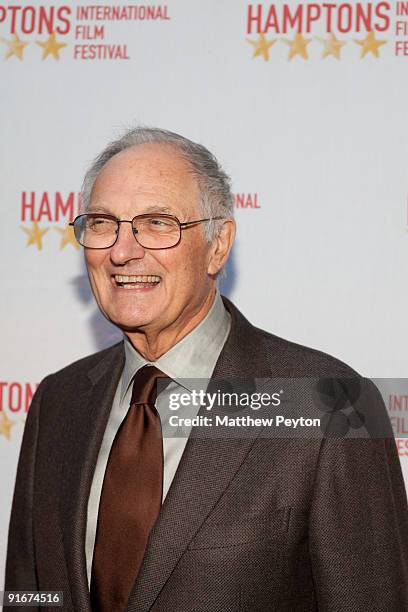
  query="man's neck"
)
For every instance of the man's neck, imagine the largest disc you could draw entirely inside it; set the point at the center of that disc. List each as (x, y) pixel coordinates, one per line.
(153, 344)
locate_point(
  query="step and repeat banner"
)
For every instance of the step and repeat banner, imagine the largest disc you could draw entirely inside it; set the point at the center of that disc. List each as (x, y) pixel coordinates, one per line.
(305, 105)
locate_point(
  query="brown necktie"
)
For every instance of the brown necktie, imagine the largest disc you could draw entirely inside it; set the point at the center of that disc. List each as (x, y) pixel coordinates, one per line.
(131, 497)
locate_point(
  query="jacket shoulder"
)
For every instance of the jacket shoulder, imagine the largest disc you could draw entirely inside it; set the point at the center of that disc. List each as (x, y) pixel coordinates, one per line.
(296, 360)
(305, 360)
(84, 365)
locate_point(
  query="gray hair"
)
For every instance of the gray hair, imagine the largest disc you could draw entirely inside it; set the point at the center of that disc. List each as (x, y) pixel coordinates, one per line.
(216, 198)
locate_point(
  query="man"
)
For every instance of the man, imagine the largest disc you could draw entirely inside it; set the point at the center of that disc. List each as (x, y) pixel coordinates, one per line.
(117, 518)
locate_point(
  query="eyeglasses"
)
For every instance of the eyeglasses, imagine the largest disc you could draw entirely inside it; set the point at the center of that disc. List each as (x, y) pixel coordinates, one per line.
(101, 231)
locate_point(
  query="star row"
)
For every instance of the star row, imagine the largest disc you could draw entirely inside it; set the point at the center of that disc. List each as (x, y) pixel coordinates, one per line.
(331, 45)
(35, 236)
(16, 47)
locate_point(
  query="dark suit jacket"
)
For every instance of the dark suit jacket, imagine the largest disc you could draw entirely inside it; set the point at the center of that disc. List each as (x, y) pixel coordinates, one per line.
(248, 525)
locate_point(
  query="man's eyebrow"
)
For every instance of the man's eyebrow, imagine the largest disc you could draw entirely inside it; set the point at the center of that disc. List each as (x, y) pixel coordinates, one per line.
(153, 208)
(98, 208)
(159, 208)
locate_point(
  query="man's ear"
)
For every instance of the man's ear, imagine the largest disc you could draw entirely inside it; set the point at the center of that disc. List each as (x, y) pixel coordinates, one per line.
(221, 246)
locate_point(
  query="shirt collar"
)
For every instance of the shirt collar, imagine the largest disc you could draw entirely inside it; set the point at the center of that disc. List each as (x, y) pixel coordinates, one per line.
(193, 357)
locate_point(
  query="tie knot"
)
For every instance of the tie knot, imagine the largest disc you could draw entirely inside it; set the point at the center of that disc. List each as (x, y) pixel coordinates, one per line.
(145, 385)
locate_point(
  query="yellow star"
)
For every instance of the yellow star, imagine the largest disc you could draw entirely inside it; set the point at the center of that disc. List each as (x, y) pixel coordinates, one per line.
(332, 46)
(261, 46)
(35, 235)
(370, 44)
(15, 47)
(298, 46)
(51, 47)
(5, 426)
(67, 236)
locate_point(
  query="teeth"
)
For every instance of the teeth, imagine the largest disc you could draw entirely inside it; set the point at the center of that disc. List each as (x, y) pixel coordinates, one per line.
(121, 278)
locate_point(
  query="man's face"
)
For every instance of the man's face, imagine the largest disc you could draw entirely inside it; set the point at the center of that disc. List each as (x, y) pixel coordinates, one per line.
(143, 179)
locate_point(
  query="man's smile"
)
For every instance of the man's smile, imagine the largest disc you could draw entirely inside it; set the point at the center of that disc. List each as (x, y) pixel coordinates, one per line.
(139, 281)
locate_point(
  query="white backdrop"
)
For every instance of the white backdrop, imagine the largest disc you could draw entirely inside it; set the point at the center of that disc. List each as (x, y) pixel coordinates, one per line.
(306, 110)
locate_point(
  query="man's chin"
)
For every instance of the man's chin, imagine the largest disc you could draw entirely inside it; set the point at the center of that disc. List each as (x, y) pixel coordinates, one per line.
(131, 323)
(130, 326)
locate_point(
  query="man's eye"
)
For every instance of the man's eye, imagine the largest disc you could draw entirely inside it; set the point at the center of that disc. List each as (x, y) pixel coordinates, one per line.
(161, 223)
(158, 222)
(99, 223)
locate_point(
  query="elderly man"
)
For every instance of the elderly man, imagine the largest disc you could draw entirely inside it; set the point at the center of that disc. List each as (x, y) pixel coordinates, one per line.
(118, 518)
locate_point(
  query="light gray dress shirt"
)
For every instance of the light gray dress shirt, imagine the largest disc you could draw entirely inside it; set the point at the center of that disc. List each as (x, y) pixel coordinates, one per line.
(190, 363)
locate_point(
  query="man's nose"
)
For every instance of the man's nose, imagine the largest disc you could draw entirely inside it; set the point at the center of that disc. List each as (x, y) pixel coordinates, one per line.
(126, 246)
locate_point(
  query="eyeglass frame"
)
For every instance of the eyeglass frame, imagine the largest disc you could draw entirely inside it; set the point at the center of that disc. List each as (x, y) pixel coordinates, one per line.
(144, 216)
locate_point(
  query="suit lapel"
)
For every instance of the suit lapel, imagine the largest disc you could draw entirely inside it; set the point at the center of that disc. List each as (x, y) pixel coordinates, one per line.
(88, 417)
(205, 470)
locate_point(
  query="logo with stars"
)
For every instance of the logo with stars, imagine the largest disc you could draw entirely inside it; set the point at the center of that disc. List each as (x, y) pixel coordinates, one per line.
(298, 31)
(74, 31)
(45, 219)
(15, 400)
